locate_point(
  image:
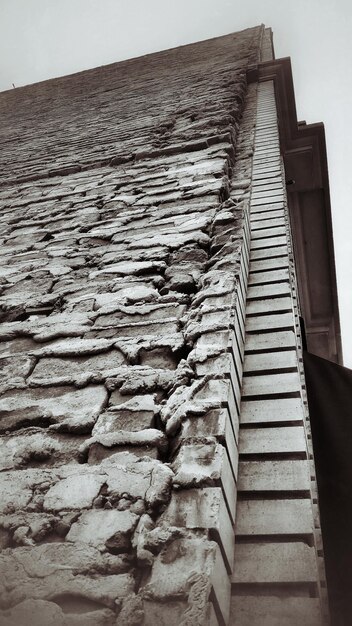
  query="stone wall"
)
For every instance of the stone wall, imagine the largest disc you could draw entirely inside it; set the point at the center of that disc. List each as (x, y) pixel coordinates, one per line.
(124, 265)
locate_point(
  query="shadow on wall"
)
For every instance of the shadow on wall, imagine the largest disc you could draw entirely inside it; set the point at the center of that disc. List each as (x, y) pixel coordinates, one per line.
(329, 389)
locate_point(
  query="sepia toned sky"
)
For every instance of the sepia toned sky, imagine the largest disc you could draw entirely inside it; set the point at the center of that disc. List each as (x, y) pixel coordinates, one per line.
(41, 39)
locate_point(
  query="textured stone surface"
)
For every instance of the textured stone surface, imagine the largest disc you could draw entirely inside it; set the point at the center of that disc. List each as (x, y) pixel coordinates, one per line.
(274, 563)
(123, 267)
(274, 611)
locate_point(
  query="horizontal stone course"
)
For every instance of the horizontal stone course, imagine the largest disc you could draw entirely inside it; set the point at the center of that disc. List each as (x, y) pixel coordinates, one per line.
(272, 440)
(276, 476)
(274, 563)
(272, 410)
(275, 611)
(274, 517)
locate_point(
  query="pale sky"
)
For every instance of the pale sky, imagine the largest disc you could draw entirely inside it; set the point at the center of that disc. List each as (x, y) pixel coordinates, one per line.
(41, 39)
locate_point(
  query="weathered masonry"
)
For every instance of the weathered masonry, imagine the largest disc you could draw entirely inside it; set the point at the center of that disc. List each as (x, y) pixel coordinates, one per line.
(157, 466)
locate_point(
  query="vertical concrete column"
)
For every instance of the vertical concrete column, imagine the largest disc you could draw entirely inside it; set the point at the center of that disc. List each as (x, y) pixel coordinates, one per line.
(276, 577)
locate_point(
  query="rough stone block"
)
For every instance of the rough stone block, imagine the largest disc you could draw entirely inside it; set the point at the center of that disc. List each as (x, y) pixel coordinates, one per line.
(44, 613)
(40, 572)
(111, 529)
(279, 240)
(203, 508)
(216, 423)
(123, 419)
(75, 492)
(16, 490)
(161, 613)
(206, 464)
(270, 276)
(280, 440)
(277, 321)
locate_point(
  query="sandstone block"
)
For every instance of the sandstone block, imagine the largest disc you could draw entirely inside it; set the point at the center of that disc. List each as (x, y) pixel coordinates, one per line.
(273, 440)
(274, 611)
(274, 476)
(203, 508)
(107, 528)
(75, 492)
(77, 408)
(270, 361)
(271, 384)
(189, 568)
(270, 341)
(272, 410)
(273, 321)
(274, 563)
(274, 517)
(206, 464)
(275, 231)
(57, 370)
(263, 254)
(217, 424)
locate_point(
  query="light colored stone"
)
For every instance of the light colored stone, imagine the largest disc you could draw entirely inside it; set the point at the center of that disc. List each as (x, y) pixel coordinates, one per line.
(269, 305)
(270, 361)
(274, 476)
(272, 410)
(139, 293)
(275, 231)
(272, 440)
(277, 321)
(206, 464)
(16, 491)
(279, 240)
(62, 370)
(273, 611)
(76, 492)
(275, 563)
(262, 254)
(189, 567)
(268, 223)
(270, 276)
(271, 384)
(55, 405)
(202, 508)
(97, 527)
(74, 347)
(271, 341)
(274, 517)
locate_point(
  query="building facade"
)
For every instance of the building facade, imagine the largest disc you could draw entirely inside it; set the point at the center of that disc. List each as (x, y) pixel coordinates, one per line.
(157, 258)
